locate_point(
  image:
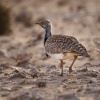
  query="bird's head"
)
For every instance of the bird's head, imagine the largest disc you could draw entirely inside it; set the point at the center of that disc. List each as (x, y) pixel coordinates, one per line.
(44, 24)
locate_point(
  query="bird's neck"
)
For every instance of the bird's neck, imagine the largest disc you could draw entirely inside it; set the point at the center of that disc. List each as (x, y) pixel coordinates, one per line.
(47, 34)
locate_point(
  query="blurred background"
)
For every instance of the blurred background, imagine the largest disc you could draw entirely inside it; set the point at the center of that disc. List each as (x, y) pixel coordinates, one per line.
(21, 41)
(19, 34)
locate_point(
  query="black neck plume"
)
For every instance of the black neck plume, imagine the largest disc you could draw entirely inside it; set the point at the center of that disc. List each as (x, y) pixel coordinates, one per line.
(47, 34)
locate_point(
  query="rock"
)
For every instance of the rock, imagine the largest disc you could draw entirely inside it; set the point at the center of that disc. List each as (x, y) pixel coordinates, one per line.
(87, 65)
(84, 70)
(50, 67)
(92, 74)
(17, 75)
(24, 64)
(80, 89)
(3, 66)
(34, 73)
(41, 83)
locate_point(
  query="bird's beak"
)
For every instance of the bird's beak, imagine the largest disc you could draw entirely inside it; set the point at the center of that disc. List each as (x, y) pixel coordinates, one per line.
(37, 23)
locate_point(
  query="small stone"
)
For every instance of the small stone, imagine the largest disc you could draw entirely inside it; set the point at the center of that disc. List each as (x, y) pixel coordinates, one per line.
(90, 81)
(24, 64)
(84, 69)
(88, 65)
(17, 75)
(80, 89)
(50, 67)
(92, 74)
(34, 73)
(3, 66)
(41, 83)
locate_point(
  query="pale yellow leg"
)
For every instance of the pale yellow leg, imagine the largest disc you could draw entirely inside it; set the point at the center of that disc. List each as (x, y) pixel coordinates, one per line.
(70, 68)
(61, 66)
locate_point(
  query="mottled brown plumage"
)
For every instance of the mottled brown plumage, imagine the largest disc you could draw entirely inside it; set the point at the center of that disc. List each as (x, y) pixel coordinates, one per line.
(61, 46)
(64, 44)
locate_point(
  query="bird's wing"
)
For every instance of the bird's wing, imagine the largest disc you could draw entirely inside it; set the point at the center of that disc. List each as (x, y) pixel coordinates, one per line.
(64, 44)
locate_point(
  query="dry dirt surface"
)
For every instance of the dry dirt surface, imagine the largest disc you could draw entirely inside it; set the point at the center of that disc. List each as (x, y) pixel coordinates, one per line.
(27, 74)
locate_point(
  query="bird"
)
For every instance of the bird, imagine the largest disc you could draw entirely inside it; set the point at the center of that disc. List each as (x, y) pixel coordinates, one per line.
(61, 47)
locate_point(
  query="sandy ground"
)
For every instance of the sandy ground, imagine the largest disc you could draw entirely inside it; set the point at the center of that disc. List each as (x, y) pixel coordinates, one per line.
(27, 74)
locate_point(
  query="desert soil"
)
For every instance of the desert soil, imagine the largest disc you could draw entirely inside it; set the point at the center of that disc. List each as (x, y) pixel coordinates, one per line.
(27, 74)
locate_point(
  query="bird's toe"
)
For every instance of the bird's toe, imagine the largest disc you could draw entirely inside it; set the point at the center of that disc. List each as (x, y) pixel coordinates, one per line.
(70, 70)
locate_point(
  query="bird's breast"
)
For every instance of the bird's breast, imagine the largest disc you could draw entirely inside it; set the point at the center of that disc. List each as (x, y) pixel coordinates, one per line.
(62, 56)
(56, 56)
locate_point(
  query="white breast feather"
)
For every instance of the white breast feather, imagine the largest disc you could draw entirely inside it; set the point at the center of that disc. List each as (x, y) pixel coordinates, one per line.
(57, 56)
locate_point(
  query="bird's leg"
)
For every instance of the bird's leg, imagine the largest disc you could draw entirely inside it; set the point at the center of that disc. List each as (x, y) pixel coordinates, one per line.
(61, 66)
(70, 68)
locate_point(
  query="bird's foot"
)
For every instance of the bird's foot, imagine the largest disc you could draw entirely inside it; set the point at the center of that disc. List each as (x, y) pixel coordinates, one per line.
(61, 74)
(70, 70)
